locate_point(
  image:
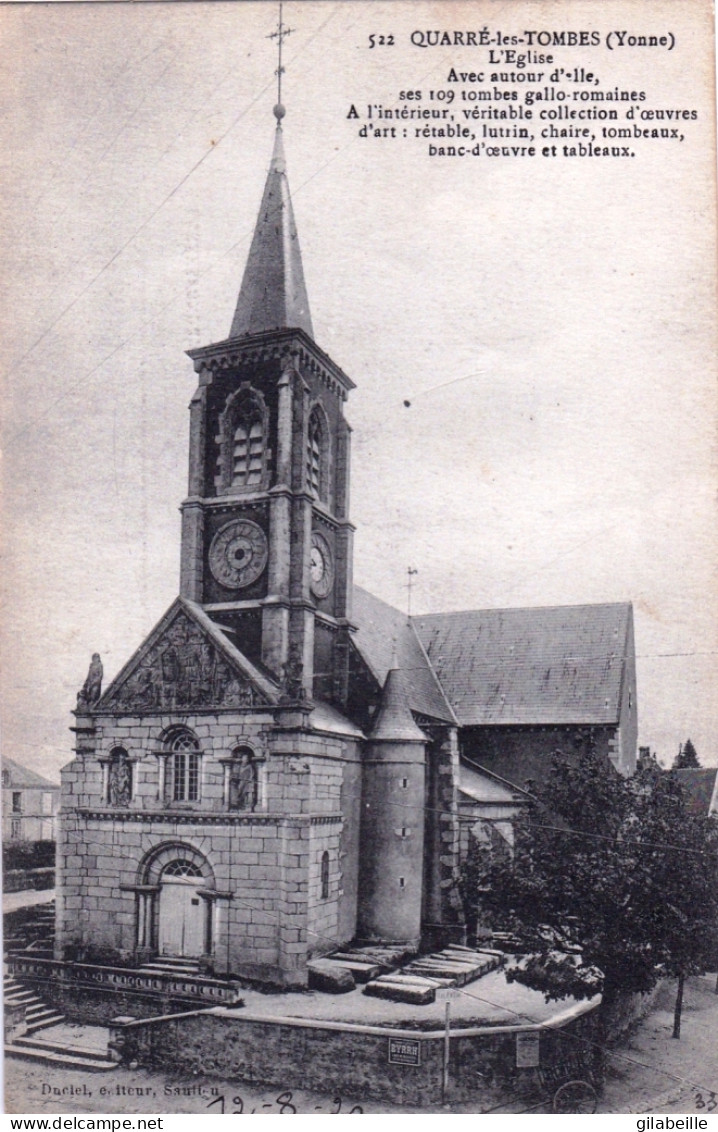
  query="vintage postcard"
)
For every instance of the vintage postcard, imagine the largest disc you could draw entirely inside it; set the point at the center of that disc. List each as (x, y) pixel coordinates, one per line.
(359, 513)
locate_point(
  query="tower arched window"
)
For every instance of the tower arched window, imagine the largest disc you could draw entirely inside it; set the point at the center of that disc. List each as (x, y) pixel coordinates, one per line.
(317, 444)
(248, 452)
(185, 766)
(325, 876)
(242, 461)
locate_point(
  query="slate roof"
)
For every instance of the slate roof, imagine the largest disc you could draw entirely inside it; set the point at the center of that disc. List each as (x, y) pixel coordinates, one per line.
(381, 626)
(273, 293)
(23, 776)
(701, 788)
(482, 786)
(551, 665)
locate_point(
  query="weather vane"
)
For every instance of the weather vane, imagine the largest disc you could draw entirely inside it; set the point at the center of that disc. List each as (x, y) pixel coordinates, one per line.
(280, 35)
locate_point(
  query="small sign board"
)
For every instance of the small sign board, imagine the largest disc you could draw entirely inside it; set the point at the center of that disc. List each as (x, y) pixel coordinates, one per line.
(404, 1051)
(527, 1050)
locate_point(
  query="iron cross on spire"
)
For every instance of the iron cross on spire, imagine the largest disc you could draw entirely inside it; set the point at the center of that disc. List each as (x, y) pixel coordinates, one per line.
(410, 573)
(280, 35)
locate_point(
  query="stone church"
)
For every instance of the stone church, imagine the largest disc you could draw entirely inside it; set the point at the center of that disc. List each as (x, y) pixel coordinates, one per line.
(287, 763)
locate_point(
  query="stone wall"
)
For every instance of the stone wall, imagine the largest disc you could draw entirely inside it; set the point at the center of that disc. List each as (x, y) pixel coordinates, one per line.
(353, 1060)
(261, 870)
(443, 917)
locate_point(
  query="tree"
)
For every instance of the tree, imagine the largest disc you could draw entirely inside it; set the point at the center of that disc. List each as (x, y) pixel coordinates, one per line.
(610, 883)
(686, 757)
(679, 855)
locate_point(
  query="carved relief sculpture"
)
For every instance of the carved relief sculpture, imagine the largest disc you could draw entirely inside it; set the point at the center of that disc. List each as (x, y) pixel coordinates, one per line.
(185, 670)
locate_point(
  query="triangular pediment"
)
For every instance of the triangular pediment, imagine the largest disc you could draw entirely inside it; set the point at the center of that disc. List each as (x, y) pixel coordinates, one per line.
(187, 664)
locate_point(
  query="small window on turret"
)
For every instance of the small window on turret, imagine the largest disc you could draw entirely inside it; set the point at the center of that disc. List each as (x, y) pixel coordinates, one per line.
(325, 876)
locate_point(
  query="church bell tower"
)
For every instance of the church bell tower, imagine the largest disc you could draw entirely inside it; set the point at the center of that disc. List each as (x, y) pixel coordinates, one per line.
(266, 537)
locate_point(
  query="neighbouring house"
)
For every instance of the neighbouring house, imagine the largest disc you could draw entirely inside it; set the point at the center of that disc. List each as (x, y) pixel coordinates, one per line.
(700, 785)
(29, 804)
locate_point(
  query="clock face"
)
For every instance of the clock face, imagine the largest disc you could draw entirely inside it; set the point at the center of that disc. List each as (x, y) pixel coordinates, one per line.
(238, 554)
(321, 566)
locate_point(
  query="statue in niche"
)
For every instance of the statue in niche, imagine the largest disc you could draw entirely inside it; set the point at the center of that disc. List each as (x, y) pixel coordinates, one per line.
(119, 787)
(243, 781)
(91, 690)
(293, 685)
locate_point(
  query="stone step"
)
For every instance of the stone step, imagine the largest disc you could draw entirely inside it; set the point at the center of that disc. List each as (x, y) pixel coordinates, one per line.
(16, 998)
(66, 1060)
(401, 992)
(174, 968)
(38, 1008)
(51, 1019)
(50, 1046)
(186, 964)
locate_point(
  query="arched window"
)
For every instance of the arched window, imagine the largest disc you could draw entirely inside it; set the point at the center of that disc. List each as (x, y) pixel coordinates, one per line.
(325, 875)
(248, 452)
(184, 759)
(317, 454)
(243, 441)
(181, 868)
(119, 778)
(242, 793)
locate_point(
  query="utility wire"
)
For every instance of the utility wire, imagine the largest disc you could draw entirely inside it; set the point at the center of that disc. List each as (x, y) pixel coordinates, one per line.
(148, 219)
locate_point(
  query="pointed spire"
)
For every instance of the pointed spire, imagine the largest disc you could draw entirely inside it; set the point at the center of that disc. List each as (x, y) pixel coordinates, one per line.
(394, 721)
(273, 295)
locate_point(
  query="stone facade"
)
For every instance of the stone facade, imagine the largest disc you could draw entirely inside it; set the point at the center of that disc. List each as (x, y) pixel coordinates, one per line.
(262, 782)
(265, 901)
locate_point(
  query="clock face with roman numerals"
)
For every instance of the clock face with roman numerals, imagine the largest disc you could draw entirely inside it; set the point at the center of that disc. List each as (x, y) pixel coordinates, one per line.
(238, 554)
(321, 566)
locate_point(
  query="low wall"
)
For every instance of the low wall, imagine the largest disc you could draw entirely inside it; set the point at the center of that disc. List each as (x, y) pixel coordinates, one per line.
(96, 995)
(352, 1060)
(623, 1014)
(20, 880)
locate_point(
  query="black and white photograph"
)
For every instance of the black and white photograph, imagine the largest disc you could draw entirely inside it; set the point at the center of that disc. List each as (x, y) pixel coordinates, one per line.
(360, 746)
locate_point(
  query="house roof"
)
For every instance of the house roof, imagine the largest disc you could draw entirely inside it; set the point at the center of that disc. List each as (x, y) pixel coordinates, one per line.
(23, 776)
(700, 785)
(382, 629)
(480, 785)
(550, 665)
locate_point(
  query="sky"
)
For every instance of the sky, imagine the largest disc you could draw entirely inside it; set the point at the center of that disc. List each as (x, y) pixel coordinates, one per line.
(550, 322)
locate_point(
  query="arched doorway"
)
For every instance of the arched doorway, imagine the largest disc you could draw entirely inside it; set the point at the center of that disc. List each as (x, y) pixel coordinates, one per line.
(183, 920)
(176, 898)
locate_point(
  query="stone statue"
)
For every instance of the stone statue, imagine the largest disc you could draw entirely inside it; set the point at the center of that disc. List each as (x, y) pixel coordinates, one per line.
(243, 783)
(91, 690)
(120, 781)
